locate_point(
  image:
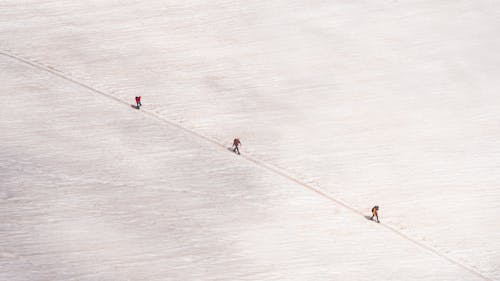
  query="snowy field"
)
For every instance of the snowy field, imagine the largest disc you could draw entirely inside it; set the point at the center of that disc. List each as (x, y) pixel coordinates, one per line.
(340, 105)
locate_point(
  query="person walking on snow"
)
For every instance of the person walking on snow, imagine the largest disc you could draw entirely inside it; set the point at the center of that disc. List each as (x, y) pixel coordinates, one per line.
(236, 144)
(375, 213)
(138, 102)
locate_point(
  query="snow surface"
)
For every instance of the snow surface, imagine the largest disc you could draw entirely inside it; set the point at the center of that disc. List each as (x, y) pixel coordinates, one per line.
(340, 105)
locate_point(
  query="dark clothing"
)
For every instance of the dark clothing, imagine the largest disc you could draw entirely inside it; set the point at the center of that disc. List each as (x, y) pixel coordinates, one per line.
(236, 144)
(236, 150)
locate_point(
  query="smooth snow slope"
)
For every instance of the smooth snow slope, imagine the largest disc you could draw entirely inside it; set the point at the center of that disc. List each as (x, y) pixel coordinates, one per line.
(392, 103)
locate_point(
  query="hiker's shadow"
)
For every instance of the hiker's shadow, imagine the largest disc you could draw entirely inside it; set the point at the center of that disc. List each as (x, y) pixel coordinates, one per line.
(368, 218)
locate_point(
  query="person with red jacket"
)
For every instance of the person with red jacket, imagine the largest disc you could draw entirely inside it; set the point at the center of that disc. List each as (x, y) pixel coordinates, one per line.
(138, 102)
(236, 144)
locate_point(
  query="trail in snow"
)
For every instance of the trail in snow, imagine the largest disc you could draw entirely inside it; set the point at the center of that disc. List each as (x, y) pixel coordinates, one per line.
(256, 161)
(393, 103)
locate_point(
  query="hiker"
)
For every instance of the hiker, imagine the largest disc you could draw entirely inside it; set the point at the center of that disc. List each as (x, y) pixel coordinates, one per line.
(375, 213)
(236, 144)
(138, 102)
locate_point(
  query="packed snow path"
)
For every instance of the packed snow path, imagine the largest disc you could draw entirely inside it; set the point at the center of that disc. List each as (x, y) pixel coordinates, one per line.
(427, 154)
(87, 201)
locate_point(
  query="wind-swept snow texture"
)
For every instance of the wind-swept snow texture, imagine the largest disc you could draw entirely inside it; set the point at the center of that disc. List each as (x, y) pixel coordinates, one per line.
(340, 105)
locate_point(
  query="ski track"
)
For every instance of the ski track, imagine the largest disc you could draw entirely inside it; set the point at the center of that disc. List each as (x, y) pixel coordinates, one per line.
(278, 171)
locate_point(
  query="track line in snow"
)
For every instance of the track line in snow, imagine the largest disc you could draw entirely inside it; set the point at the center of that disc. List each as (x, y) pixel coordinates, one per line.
(270, 167)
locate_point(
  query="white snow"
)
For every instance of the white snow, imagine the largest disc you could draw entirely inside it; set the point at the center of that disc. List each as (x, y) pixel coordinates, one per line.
(340, 105)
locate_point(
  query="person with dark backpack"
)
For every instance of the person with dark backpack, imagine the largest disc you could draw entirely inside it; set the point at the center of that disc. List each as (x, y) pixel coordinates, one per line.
(236, 144)
(138, 102)
(375, 213)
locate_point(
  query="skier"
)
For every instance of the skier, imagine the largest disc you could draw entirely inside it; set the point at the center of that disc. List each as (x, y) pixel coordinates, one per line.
(236, 144)
(138, 102)
(375, 213)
